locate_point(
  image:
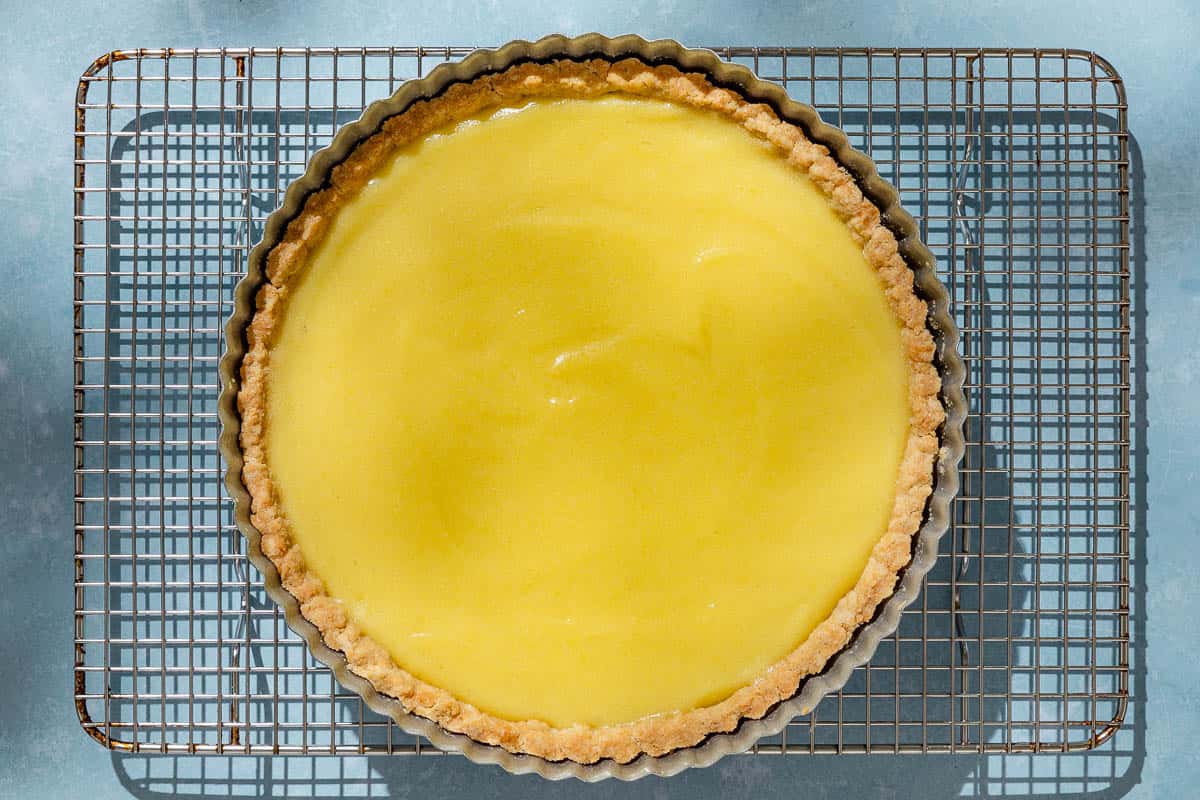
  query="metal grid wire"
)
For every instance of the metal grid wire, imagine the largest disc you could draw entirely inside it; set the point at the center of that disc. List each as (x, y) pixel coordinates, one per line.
(1014, 161)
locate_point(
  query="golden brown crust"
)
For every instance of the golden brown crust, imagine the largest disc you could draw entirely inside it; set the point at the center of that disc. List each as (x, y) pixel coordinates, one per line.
(659, 734)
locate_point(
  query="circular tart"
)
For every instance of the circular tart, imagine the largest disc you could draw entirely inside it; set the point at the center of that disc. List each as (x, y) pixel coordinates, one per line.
(588, 409)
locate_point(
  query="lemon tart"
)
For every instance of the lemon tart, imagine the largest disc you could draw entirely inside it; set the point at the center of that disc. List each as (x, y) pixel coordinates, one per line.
(588, 409)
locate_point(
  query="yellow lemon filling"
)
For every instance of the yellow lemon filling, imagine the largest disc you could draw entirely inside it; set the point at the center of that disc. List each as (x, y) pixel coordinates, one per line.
(588, 410)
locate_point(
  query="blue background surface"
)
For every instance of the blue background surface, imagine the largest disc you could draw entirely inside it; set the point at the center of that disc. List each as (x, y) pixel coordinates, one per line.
(44, 754)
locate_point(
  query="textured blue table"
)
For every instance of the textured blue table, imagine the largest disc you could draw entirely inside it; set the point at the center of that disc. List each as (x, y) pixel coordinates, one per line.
(43, 753)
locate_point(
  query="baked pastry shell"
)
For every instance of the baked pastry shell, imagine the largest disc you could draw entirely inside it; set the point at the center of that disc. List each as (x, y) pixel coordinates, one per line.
(937, 517)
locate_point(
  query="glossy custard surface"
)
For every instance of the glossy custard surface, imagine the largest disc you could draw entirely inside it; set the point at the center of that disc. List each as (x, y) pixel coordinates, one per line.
(588, 410)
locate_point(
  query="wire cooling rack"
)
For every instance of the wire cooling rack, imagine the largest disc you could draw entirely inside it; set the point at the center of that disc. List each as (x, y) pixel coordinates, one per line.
(1016, 163)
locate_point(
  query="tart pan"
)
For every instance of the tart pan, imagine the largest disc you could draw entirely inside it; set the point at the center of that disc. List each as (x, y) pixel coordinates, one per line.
(946, 359)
